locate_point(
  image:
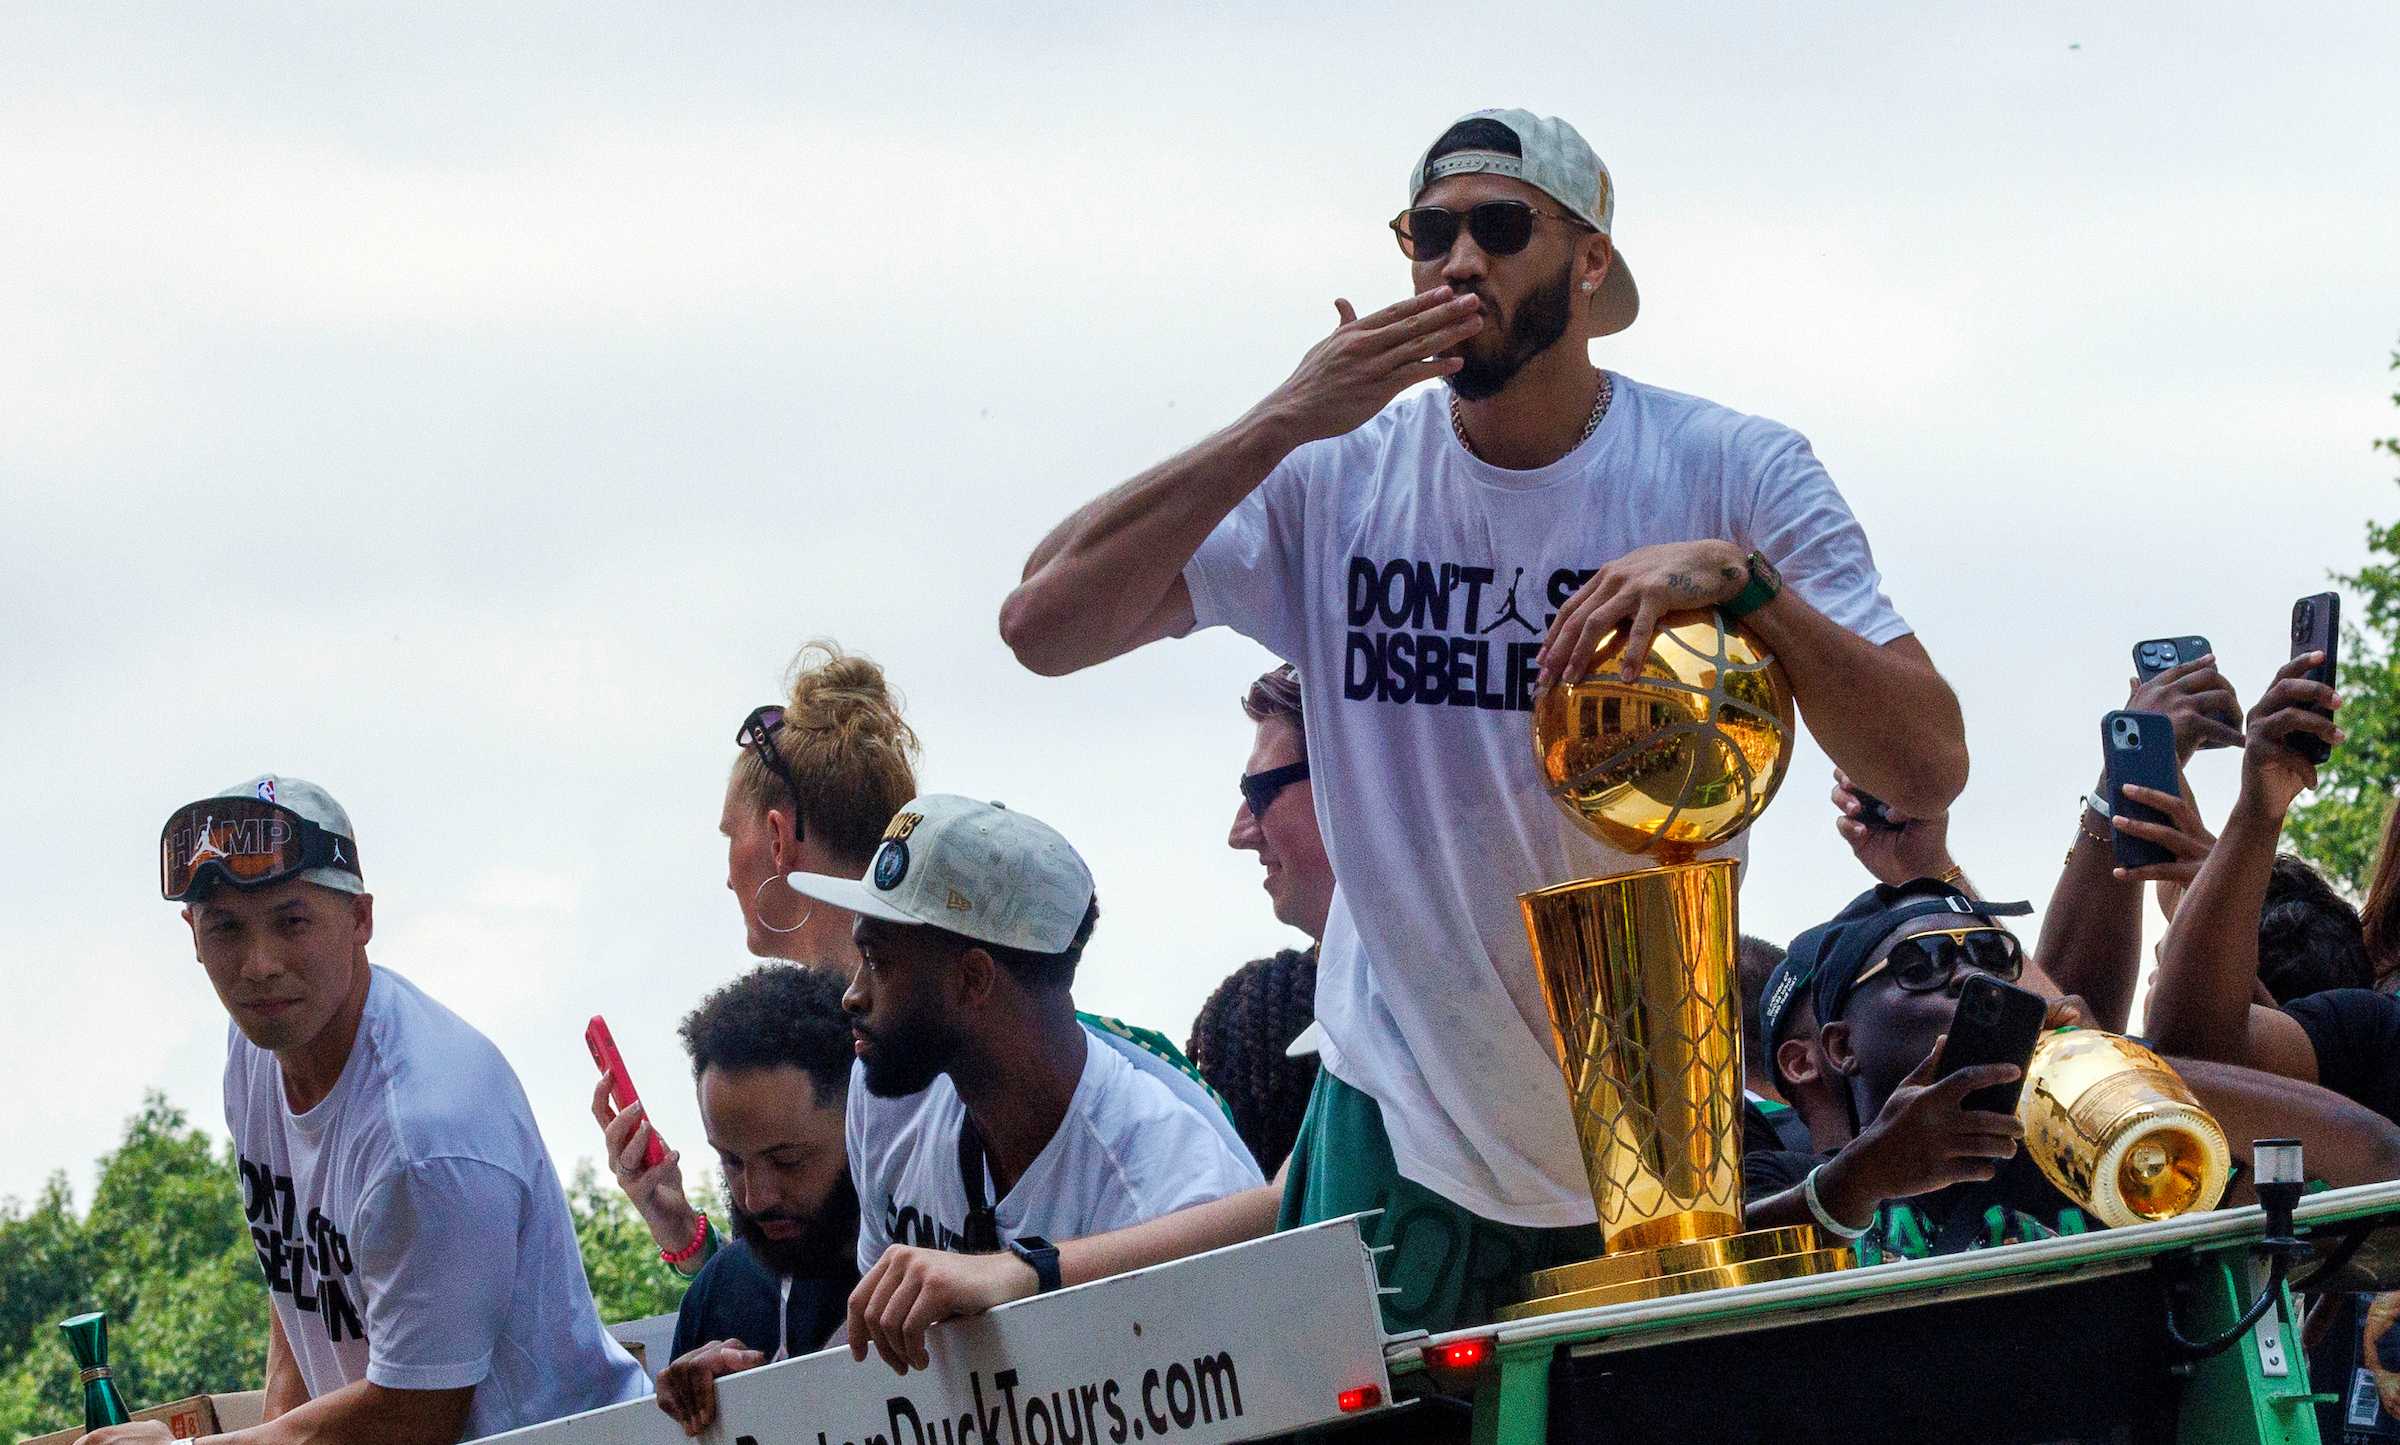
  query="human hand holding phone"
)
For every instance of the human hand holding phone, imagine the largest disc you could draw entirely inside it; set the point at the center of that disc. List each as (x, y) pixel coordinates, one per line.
(1891, 846)
(648, 1171)
(603, 1045)
(2297, 708)
(2317, 631)
(2193, 695)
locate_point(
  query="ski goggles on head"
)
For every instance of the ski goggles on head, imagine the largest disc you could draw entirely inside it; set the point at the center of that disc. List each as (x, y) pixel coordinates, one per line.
(1925, 962)
(247, 842)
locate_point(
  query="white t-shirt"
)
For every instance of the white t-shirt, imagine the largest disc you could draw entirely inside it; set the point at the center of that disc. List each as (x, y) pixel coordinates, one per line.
(1412, 584)
(411, 1228)
(1131, 1147)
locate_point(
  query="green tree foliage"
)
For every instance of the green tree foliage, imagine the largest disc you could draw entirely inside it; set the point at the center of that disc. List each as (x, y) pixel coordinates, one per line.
(163, 1250)
(619, 1257)
(2338, 829)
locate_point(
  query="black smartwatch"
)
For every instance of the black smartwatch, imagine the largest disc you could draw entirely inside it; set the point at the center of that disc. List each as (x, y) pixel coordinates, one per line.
(1042, 1255)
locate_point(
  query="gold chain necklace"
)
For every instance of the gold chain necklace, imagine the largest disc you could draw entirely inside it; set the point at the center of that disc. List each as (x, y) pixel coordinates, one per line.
(1608, 390)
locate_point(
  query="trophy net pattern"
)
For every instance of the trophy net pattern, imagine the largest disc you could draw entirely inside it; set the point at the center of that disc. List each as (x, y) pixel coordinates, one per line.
(1644, 996)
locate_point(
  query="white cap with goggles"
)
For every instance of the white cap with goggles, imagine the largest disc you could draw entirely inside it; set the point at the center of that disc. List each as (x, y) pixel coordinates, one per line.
(257, 833)
(973, 868)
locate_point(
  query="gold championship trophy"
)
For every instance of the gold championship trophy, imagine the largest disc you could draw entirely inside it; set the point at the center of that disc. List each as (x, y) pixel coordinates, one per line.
(1640, 969)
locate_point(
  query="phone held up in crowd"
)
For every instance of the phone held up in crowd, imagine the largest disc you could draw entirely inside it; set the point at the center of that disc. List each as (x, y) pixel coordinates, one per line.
(2162, 654)
(2316, 627)
(603, 1045)
(2139, 748)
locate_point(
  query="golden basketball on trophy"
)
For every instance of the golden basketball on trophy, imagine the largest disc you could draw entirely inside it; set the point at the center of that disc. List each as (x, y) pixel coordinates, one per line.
(1640, 969)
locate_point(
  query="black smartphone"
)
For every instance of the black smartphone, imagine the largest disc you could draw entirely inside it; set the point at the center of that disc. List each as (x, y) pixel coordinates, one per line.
(1874, 812)
(2161, 653)
(2316, 627)
(2139, 748)
(1996, 1023)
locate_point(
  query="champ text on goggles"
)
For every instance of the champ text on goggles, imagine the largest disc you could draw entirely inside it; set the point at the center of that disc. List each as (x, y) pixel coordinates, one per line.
(247, 842)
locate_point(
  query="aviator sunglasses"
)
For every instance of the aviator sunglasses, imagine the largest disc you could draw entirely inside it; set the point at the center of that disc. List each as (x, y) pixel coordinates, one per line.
(1924, 962)
(1259, 789)
(757, 734)
(1501, 228)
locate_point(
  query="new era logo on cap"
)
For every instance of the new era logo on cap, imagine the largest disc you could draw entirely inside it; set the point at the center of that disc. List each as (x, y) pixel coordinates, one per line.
(973, 868)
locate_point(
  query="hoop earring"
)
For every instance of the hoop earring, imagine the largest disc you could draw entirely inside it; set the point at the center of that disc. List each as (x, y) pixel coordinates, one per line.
(761, 914)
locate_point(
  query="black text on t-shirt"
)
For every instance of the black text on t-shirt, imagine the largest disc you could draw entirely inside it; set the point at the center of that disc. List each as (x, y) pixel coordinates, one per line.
(312, 1265)
(907, 1224)
(1444, 633)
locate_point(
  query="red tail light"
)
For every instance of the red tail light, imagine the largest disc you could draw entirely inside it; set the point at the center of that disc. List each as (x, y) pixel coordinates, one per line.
(1458, 1354)
(1365, 1397)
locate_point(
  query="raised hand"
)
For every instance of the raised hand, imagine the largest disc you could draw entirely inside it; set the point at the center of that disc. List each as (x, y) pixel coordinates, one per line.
(1635, 591)
(687, 1389)
(656, 1193)
(2197, 699)
(1354, 373)
(2273, 772)
(1920, 849)
(2185, 836)
(1925, 1138)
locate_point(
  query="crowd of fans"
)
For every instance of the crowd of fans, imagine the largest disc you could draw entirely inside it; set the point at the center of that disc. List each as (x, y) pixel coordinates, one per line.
(913, 1120)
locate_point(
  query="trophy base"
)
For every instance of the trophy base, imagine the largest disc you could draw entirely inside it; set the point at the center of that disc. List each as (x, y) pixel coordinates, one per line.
(1677, 1269)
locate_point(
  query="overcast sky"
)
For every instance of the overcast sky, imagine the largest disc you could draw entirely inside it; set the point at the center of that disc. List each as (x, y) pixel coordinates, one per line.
(472, 409)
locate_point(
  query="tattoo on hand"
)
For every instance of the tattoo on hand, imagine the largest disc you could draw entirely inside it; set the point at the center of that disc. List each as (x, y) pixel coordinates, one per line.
(1680, 584)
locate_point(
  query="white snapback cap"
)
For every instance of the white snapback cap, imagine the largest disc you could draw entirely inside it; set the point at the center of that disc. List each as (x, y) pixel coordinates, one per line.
(318, 807)
(1552, 157)
(973, 868)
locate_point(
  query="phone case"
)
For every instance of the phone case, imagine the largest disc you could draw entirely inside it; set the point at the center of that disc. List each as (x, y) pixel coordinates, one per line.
(2139, 748)
(603, 1045)
(2317, 627)
(2161, 653)
(1996, 1023)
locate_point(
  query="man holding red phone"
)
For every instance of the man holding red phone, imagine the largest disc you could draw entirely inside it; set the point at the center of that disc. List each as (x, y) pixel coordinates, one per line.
(424, 1273)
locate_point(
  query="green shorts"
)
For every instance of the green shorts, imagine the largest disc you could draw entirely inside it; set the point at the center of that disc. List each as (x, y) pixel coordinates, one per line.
(1451, 1268)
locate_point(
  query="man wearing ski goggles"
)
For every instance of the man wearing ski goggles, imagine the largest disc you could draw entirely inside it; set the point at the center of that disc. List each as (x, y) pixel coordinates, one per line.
(420, 1258)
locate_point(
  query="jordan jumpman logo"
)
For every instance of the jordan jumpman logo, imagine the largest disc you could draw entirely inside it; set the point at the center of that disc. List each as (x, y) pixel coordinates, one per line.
(1510, 612)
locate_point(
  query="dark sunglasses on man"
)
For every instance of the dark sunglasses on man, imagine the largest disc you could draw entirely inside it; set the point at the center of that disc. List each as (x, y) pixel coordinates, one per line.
(1925, 962)
(247, 842)
(1259, 789)
(1500, 228)
(757, 733)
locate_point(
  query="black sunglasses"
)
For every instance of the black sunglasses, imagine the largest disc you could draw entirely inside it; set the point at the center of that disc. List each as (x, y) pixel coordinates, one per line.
(1501, 228)
(757, 734)
(1259, 789)
(1924, 962)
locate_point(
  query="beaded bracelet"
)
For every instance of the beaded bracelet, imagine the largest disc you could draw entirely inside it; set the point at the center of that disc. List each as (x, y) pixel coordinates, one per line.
(699, 1236)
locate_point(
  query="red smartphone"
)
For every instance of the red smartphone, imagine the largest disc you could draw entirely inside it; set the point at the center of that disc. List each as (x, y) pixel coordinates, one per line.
(620, 1084)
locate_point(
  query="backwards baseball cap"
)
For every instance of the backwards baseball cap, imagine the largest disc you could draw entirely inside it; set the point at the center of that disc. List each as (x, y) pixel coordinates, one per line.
(1778, 1000)
(1839, 949)
(256, 833)
(976, 869)
(1549, 155)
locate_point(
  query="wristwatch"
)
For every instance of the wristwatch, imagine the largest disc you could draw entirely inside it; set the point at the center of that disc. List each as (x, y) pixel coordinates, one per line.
(1764, 586)
(1042, 1255)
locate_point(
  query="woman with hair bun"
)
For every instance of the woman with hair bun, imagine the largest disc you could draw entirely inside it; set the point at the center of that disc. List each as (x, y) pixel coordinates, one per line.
(816, 780)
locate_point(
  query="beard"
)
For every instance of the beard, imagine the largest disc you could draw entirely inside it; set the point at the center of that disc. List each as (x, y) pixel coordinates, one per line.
(1540, 321)
(827, 1244)
(907, 1058)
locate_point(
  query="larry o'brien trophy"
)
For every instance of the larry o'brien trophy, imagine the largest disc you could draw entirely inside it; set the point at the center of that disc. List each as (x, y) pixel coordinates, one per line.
(1640, 970)
(87, 1336)
(2115, 1129)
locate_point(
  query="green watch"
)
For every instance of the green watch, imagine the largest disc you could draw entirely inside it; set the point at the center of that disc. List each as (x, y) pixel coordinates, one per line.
(1764, 586)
